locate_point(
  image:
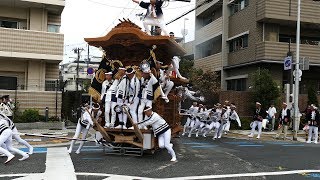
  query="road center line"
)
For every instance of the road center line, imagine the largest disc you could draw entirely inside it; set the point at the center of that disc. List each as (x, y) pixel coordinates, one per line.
(59, 160)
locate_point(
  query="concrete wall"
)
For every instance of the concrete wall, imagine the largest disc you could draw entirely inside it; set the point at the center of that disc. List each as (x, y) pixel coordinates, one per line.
(38, 19)
(36, 100)
(16, 13)
(40, 125)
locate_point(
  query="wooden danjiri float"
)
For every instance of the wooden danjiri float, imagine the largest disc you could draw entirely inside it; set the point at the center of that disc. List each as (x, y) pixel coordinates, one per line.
(126, 44)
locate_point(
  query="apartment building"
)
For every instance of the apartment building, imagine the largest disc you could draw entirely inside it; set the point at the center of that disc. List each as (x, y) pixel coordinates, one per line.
(236, 37)
(31, 48)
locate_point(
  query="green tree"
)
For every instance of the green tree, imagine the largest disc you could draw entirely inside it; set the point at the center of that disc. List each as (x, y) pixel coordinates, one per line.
(312, 95)
(208, 83)
(265, 89)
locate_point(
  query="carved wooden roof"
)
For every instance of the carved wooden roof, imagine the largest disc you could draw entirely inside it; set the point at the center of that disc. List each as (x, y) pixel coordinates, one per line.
(127, 43)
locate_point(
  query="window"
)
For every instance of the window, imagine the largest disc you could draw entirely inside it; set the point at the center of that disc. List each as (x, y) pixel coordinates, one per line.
(237, 84)
(8, 83)
(238, 43)
(50, 85)
(210, 47)
(9, 24)
(53, 28)
(238, 5)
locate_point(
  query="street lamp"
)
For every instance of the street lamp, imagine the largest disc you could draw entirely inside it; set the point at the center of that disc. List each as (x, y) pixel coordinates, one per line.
(184, 30)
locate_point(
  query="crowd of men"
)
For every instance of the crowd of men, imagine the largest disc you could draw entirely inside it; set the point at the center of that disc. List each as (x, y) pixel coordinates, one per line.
(203, 120)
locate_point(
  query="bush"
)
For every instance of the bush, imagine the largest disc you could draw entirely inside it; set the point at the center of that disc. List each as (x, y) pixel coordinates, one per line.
(30, 115)
(245, 123)
(54, 118)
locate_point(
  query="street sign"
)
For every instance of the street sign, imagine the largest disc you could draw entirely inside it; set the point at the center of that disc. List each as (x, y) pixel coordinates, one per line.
(305, 64)
(299, 74)
(90, 70)
(287, 63)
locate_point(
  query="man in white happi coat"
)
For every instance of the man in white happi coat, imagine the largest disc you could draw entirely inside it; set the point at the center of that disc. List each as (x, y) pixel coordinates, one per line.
(122, 93)
(15, 133)
(106, 96)
(258, 116)
(160, 129)
(84, 123)
(164, 80)
(213, 123)
(154, 15)
(6, 139)
(199, 115)
(6, 106)
(271, 115)
(132, 99)
(191, 117)
(222, 120)
(234, 115)
(313, 119)
(112, 94)
(146, 92)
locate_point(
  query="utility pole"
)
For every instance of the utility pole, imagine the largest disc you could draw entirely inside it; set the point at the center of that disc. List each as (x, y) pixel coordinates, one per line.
(91, 78)
(78, 51)
(296, 91)
(88, 61)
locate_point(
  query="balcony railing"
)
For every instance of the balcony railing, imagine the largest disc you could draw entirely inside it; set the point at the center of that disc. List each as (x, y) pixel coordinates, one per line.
(280, 9)
(205, 6)
(278, 51)
(212, 63)
(35, 42)
(207, 32)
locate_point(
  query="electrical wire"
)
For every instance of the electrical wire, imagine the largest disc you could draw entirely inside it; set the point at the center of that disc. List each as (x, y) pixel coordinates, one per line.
(121, 7)
(186, 13)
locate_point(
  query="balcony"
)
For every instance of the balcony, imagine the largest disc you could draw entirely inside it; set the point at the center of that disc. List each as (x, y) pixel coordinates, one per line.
(33, 3)
(277, 51)
(209, 31)
(31, 44)
(212, 63)
(205, 6)
(278, 11)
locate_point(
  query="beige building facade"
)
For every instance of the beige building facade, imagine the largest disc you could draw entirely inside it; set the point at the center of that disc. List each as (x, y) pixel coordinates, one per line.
(237, 37)
(31, 48)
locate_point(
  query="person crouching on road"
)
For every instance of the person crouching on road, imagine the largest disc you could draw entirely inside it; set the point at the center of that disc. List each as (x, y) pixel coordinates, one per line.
(257, 120)
(6, 139)
(313, 119)
(160, 128)
(284, 121)
(84, 124)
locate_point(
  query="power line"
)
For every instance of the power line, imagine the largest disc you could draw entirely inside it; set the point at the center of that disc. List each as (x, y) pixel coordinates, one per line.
(121, 7)
(184, 14)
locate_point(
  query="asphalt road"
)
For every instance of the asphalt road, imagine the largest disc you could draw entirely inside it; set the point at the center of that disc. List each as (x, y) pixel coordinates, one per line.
(196, 157)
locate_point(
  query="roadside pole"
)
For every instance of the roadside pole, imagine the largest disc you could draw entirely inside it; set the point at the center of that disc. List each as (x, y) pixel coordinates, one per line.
(296, 84)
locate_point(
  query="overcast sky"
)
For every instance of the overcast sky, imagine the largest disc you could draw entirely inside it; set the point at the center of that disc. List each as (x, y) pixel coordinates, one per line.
(95, 18)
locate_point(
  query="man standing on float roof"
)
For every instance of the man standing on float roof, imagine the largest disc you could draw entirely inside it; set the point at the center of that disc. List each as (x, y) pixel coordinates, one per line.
(154, 15)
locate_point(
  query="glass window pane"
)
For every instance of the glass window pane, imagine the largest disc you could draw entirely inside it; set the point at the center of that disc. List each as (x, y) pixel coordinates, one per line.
(53, 28)
(9, 24)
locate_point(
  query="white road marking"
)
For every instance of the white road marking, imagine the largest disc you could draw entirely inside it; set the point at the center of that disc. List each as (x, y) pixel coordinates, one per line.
(278, 173)
(58, 166)
(113, 176)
